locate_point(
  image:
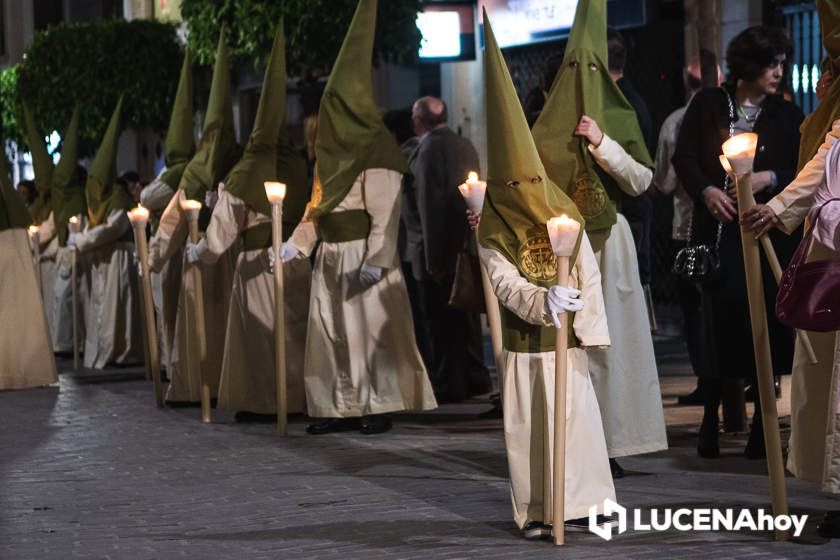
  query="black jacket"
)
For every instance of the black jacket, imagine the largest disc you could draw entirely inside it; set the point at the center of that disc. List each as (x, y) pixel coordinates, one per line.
(706, 126)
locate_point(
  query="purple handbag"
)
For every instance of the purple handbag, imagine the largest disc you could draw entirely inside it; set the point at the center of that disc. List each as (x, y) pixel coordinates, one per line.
(809, 293)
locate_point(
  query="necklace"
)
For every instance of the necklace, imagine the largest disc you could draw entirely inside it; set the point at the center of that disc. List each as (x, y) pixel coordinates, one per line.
(748, 118)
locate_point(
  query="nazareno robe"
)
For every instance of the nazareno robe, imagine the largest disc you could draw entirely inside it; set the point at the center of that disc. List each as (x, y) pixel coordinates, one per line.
(62, 296)
(361, 356)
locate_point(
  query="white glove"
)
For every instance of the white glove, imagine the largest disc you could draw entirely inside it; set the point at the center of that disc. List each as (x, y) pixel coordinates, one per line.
(560, 300)
(271, 259)
(210, 199)
(370, 275)
(137, 265)
(287, 252)
(191, 253)
(71, 240)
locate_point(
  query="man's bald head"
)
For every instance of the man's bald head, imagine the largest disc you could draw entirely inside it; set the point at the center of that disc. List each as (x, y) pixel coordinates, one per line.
(428, 113)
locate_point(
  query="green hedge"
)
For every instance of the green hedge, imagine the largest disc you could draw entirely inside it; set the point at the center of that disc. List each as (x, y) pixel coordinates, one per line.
(314, 29)
(91, 64)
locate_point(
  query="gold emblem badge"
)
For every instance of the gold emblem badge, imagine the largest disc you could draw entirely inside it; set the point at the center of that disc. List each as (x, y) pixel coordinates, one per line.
(536, 258)
(590, 197)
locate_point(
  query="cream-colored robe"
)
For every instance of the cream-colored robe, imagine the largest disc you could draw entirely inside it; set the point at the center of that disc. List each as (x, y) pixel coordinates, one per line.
(49, 248)
(166, 284)
(361, 355)
(248, 381)
(185, 364)
(814, 444)
(112, 322)
(624, 374)
(528, 396)
(26, 357)
(62, 296)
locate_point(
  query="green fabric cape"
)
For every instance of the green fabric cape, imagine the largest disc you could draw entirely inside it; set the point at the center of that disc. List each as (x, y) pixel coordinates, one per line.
(351, 134)
(217, 150)
(818, 124)
(520, 195)
(42, 164)
(179, 145)
(102, 193)
(269, 155)
(13, 211)
(583, 86)
(68, 194)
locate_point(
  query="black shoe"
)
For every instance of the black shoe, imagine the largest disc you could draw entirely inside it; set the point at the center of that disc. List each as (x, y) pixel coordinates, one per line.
(536, 530)
(245, 416)
(694, 398)
(581, 524)
(829, 527)
(375, 424)
(333, 425)
(492, 414)
(616, 470)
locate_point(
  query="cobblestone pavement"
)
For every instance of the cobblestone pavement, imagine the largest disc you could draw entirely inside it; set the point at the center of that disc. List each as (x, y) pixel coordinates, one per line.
(93, 470)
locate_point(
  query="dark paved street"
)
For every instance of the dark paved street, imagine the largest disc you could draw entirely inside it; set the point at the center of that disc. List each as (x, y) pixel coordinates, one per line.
(94, 470)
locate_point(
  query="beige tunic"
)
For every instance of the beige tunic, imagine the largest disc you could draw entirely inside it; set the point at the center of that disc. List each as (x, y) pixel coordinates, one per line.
(248, 380)
(49, 249)
(166, 284)
(62, 296)
(814, 398)
(361, 355)
(624, 374)
(528, 397)
(26, 358)
(185, 366)
(112, 320)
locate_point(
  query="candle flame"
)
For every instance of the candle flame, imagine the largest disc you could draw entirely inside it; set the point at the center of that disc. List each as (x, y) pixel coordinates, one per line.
(275, 191)
(190, 204)
(33, 230)
(74, 220)
(741, 145)
(472, 177)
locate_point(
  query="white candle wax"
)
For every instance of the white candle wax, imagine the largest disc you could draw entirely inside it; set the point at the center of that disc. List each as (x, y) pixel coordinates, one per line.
(139, 215)
(33, 231)
(725, 164)
(191, 208)
(473, 192)
(740, 152)
(563, 232)
(73, 224)
(275, 192)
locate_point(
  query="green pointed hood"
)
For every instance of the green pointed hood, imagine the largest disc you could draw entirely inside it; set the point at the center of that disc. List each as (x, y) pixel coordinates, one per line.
(101, 192)
(179, 145)
(269, 155)
(818, 124)
(42, 165)
(351, 134)
(583, 86)
(217, 150)
(68, 195)
(13, 212)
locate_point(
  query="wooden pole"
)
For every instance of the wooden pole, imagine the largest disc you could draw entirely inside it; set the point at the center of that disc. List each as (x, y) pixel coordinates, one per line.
(153, 355)
(494, 320)
(560, 361)
(761, 349)
(279, 318)
(200, 329)
(74, 278)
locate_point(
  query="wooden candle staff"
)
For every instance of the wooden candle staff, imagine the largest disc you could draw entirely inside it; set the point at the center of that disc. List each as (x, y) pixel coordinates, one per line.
(191, 209)
(73, 227)
(740, 151)
(776, 269)
(276, 192)
(473, 192)
(563, 232)
(139, 217)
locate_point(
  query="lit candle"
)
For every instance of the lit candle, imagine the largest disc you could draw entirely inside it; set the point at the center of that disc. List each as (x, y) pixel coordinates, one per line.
(740, 152)
(725, 163)
(191, 208)
(473, 192)
(563, 232)
(275, 191)
(139, 215)
(73, 224)
(33, 231)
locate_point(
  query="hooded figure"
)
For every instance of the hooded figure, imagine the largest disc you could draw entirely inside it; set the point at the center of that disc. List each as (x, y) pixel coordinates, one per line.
(248, 379)
(68, 201)
(814, 400)
(592, 173)
(26, 358)
(41, 211)
(112, 318)
(361, 357)
(516, 252)
(216, 153)
(179, 147)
